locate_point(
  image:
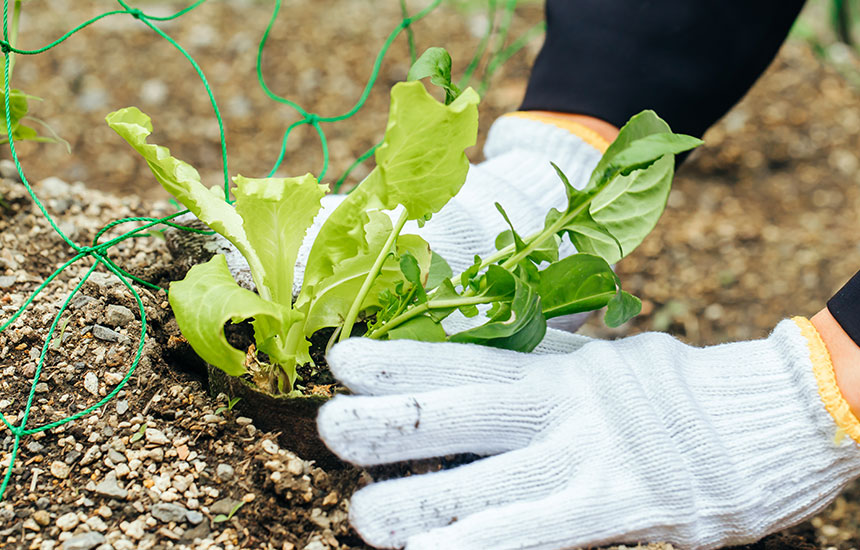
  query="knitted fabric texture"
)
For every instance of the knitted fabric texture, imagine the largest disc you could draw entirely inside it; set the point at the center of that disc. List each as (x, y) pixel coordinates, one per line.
(640, 439)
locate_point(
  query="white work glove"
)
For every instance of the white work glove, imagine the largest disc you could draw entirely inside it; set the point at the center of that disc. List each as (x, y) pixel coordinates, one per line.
(640, 439)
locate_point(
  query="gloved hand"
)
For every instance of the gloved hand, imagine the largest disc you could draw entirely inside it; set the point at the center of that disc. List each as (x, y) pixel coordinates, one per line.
(592, 442)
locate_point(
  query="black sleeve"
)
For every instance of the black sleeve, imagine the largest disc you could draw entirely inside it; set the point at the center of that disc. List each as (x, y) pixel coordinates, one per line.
(689, 60)
(845, 308)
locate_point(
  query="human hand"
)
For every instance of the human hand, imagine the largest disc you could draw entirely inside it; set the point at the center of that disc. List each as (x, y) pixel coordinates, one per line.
(640, 439)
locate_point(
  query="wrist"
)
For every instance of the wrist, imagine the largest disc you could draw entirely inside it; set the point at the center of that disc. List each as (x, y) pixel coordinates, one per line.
(844, 355)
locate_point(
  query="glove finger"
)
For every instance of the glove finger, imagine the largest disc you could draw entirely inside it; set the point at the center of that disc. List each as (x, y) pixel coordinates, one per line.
(477, 419)
(591, 512)
(386, 514)
(371, 367)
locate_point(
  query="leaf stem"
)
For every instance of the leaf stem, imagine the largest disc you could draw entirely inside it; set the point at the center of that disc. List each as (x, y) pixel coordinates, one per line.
(563, 220)
(352, 314)
(13, 33)
(534, 240)
(427, 306)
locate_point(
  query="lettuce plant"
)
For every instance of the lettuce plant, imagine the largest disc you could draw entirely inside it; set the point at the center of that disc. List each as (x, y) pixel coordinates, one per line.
(360, 266)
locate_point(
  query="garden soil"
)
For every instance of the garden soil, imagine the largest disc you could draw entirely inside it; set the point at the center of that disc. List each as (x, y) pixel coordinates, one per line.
(761, 224)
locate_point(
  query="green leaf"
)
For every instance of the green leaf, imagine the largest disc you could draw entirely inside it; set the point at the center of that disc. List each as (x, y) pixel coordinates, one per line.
(439, 271)
(138, 435)
(574, 196)
(639, 126)
(582, 282)
(420, 164)
(589, 236)
(327, 302)
(621, 308)
(276, 213)
(18, 109)
(410, 268)
(206, 299)
(421, 328)
(516, 321)
(469, 278)
(629, 206)
(642, 152)
(435, 63)
(182, 181)
(509, 236)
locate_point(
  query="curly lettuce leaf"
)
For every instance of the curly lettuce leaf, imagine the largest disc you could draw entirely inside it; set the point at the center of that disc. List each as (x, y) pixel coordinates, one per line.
(334, 295)
(206, 299)
(181, 180)
(421, 164)
(276, 214)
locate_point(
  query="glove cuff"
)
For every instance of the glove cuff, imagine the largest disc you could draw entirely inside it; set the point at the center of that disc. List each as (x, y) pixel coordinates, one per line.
(825, 377)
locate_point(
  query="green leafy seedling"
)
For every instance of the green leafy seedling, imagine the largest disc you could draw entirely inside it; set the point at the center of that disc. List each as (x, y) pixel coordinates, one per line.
(138, 435)
(231, 402)
(220, 518)
(361, 268)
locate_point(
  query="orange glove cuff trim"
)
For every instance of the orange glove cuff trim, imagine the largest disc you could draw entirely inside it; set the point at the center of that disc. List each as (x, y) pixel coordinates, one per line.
(584, 133)
(822, 368)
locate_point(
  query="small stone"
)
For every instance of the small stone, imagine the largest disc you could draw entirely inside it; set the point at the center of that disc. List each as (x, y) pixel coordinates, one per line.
(113, 378)
(81, 300)
(53, 187)
(156, 437)
(212, 418)
(330, 499)
(72, 457)
(269, 446)
(67, 522)
(7, 280)
(133, 529)
(105, 334)
(167, 512)
(295, 466)
(91, 383)
(122, 470)
(31, 524)
(35, 447)
(115, 456)
(60, 469)
(42, 503)
(224, 472)
(829, 531)
(110, 488)
(122, 406)
(42, 517)
(117, 316)
(8, 170)
(90, 455)
(194, 517)
(243, 421)
(85, 541)
(96, 524)
(104, 511)
(41, 387)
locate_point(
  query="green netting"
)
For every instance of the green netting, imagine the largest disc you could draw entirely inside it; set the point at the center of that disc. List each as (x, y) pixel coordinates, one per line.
(97, 252)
